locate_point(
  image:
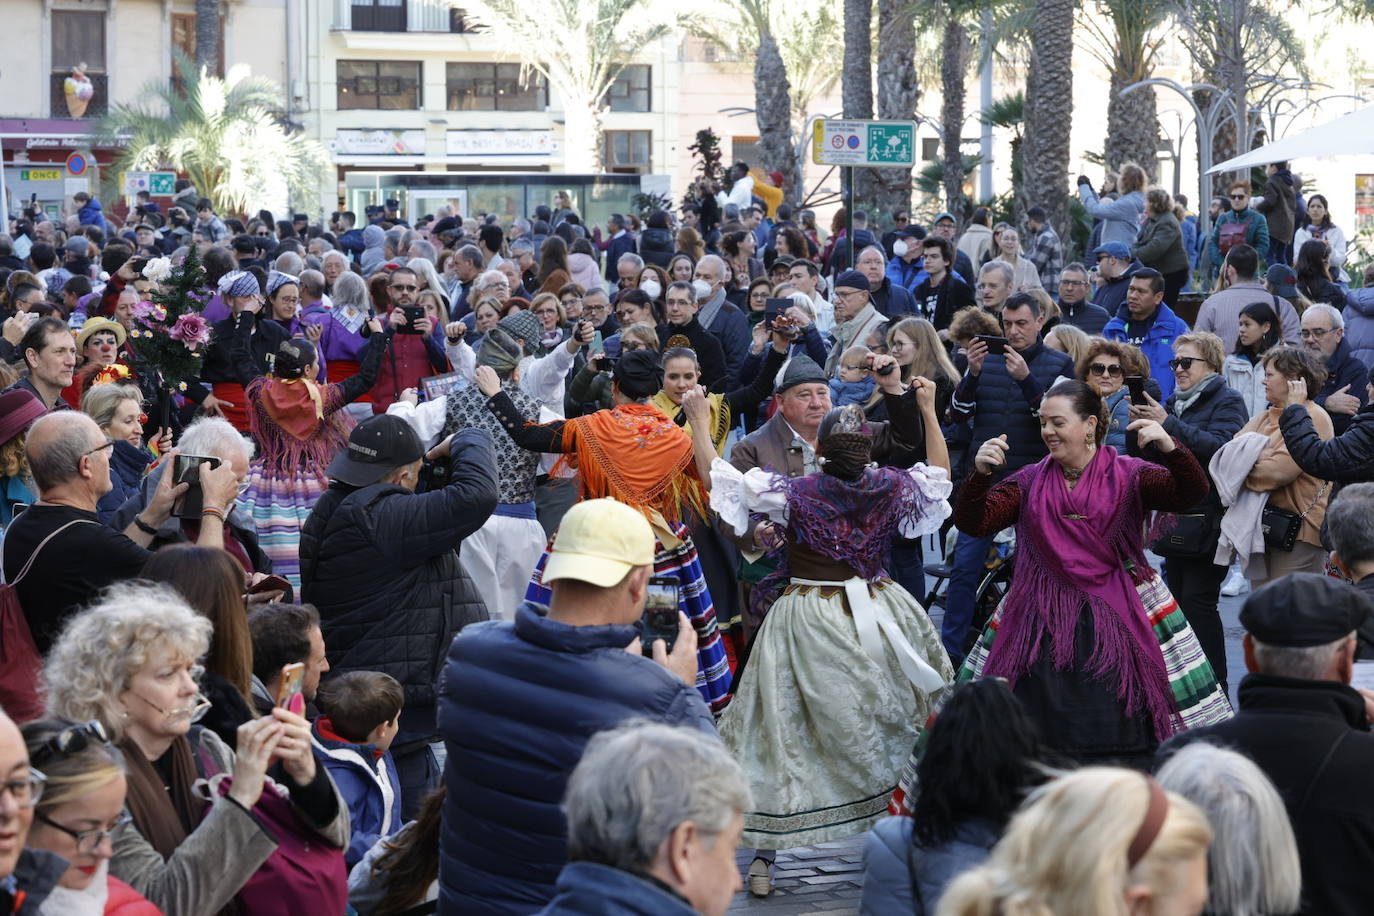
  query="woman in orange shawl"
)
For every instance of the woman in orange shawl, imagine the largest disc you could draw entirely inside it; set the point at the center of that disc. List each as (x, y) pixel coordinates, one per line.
(299, 426)
(633, 453)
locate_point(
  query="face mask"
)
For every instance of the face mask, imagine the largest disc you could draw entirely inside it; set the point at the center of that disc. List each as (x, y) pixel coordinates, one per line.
(702, 289)
(899, 248)
(651, 288)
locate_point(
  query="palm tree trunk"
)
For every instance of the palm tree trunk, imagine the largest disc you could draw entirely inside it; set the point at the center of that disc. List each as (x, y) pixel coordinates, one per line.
(1132, 126)
(581, 134)
(856, 83)
(1049, 113)
(897, 95)
(954, 54)
(207, 35)
(773, 111)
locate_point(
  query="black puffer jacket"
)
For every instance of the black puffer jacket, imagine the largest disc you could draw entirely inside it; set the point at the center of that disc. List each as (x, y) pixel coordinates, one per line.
(656, 246)
(381, 565)
(1000, 404)
(1213, 420)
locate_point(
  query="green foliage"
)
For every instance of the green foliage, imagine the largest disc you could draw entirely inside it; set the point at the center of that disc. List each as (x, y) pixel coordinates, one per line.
(931, 179)
(1080, 231)
(644, 204)
(707, 157)
(170, 334)
(227, 135)
(1007, 112)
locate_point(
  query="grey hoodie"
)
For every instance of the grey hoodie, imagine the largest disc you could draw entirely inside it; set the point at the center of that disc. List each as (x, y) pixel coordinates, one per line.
(373, 257)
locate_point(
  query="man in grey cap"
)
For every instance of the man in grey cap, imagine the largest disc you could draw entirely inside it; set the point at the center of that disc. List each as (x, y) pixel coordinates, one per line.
(787, 442)
(1303, 724)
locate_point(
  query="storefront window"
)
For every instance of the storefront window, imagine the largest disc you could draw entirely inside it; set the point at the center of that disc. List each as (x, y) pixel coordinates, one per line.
(379, 85)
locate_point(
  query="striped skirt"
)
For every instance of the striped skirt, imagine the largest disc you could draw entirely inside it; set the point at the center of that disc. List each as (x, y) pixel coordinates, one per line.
(279, 506)
(1191, 678)
(680, 563)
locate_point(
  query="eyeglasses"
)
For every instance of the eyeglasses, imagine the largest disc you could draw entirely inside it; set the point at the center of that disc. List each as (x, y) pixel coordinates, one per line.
(1073, 283)
(1239, 196)
(108, 443)
(404, 289)
(1183, 362)
(630, 347)
(88, 841)
(72, 740)
(846, 293)
(27, 791)
(289, 300)
(1102, 369)
(1318, 333)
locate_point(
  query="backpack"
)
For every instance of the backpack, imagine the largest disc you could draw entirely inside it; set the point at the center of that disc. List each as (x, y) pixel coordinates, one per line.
(1231, 234)
(20, 664)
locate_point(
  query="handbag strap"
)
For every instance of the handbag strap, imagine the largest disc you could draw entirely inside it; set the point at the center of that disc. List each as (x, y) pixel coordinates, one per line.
(44, 543)
(1316, 499)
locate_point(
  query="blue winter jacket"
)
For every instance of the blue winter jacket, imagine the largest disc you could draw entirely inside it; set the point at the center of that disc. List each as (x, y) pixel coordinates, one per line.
(589, 889)
(1359, 323)
(91, 214)
(890, 860)
(1158, 345)
(907, 274)
(1343, 370)
(369, 785)
(518, 701)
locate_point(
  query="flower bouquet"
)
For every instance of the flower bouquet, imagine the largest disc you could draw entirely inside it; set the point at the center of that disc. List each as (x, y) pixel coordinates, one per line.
(169, 334)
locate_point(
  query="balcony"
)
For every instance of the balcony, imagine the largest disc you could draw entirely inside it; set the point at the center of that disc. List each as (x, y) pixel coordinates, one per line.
(400, 16)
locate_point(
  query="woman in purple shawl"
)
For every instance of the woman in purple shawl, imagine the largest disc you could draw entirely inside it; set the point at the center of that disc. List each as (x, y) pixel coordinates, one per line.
(1088, 636)
(846, 666)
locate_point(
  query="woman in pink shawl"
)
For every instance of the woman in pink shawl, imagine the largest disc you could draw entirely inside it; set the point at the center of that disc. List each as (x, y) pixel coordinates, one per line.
(1088, 635)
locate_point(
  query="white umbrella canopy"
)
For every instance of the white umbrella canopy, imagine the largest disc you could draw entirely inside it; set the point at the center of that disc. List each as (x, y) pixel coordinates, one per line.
(1350, 135)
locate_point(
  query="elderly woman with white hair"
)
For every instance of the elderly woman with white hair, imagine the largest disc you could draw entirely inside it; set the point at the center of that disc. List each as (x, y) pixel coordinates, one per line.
(130, 662)
(654, 815)
(1252, 864)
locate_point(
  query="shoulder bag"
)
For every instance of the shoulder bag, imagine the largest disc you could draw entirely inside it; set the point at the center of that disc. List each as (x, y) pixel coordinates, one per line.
(1281, 527)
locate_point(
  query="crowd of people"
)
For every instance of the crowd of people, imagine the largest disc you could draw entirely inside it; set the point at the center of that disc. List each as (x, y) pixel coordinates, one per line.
(513, 567)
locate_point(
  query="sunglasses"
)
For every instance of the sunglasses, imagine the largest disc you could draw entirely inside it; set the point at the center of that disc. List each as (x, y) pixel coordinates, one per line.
(1101, 369)
(1239, 196)
(1183, 362)
(405, 289)
(72, 740)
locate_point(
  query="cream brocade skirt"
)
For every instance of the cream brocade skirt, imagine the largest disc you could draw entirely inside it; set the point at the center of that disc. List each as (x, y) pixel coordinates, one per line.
(821, 728)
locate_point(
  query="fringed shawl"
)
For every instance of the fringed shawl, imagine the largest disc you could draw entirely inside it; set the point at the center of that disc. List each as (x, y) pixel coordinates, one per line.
(306, 436)
(634, 454)
(720, 416)
(1077, 548)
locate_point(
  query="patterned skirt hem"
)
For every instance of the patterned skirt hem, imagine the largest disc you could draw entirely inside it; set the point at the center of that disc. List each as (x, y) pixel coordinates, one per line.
(821, 825)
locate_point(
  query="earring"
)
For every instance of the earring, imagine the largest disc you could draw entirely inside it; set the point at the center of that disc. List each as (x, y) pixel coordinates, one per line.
(1091, 442)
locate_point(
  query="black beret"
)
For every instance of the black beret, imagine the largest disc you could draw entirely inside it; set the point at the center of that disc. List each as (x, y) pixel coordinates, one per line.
(1303, 610)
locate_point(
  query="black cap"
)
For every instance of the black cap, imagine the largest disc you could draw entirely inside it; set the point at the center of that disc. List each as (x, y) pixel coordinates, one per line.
(392, 203)
(376, 446)
(299, 218)
(1303, 610)
(373, 209)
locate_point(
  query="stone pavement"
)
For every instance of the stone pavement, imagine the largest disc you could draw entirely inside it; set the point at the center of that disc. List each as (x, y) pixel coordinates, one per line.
(828, 879)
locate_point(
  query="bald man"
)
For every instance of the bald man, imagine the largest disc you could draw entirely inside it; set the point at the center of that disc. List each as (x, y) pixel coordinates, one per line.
(70, 460)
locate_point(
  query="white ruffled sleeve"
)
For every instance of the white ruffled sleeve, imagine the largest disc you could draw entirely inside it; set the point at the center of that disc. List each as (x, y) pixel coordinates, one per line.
(736, 494)
(933, 487)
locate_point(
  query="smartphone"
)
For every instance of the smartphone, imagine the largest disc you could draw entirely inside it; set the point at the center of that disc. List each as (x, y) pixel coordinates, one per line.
(660, 614)
(269, 584)
(597, 343)
(137, 265)
(292, 680)
(186, 469)
(603, 364)
(413, 314)
(997, 345)
(775, 308)
(1136, 385)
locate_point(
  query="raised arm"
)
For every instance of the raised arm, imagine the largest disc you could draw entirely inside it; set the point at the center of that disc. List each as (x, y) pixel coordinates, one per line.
(355, 386)
(697, 409)
(536, 437)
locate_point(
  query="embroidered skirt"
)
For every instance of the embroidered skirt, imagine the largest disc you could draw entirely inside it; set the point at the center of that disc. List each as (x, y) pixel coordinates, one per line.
(680, 563)
(820, 725)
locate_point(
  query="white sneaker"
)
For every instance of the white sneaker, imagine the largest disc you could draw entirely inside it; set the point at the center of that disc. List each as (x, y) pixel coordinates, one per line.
(760, 877)
(1235, 583)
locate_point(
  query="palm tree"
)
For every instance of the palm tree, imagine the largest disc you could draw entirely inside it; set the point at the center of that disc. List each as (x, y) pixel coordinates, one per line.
(812, 49)
(207, 34)
(1126, 41)
(1049, 111)
(955, 49)
(897, 93)
(225, 134)
(580, 47)
(856, 81)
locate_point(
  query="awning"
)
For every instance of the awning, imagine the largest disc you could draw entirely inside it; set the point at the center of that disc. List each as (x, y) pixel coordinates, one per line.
(1351, 135)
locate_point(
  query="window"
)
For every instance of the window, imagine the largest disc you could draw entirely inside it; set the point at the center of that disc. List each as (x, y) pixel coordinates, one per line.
(382, 85)
(930, 149)
(494, 87)
(379, 16)
(628, 151)
(630, 91)
(184, 40)
(460, 23)
(78, 40)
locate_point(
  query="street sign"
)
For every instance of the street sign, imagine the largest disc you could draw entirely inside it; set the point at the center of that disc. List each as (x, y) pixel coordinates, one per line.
(162, 182)
(135, 182)
(76, 165)
(40, 174)
(865, 144)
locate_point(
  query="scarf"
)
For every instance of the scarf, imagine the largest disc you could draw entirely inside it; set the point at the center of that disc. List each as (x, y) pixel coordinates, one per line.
(711, 308)
(296, 405)
(89, 901)
(845, 331)
(720, 416)
(1185, 399)
(634, 454)
(1082, 547)
(163, 814)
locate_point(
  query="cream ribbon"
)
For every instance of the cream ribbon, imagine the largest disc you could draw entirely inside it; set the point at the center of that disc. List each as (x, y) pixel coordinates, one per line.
(869, 618)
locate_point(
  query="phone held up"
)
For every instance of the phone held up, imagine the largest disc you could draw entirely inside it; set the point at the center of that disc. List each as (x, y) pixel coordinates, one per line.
(996, 345)
(1135, 384)
(660, 615)
(292, 683)
(413, 314)
(186, 469)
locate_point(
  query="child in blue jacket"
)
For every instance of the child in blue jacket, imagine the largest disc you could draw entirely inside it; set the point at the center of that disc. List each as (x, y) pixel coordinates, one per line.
(352, 740)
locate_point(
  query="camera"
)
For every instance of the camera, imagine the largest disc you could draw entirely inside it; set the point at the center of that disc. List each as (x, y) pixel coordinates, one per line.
(435, 473)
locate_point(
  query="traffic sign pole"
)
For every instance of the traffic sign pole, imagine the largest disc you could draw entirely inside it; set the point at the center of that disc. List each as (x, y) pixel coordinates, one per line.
(850, 144)
(849, 212)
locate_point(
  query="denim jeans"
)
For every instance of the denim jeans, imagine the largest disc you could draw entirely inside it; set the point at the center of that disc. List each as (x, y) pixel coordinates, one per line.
(969, 567)
(907, 567)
